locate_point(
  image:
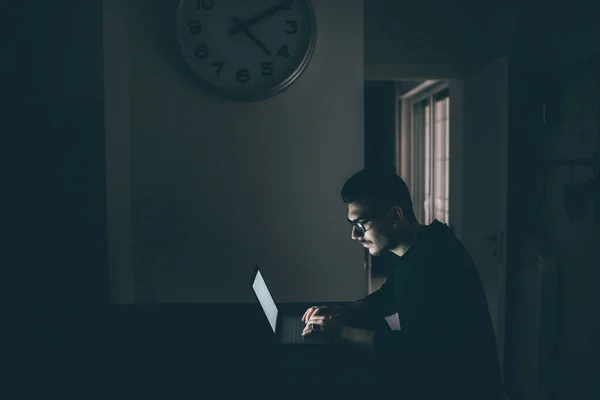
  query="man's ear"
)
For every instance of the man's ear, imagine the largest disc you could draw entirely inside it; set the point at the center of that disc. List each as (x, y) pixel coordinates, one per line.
(397, 213)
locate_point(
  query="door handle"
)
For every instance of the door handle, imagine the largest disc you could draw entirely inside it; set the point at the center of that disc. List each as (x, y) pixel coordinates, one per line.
(498, 241)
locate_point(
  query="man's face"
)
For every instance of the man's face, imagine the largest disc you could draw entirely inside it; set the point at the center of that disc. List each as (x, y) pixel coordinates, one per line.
(378, 224)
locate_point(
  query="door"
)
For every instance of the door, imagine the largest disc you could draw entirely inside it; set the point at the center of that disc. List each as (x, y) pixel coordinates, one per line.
(484, 182)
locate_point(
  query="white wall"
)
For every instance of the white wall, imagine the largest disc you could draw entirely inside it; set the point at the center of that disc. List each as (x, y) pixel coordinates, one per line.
(214, 187)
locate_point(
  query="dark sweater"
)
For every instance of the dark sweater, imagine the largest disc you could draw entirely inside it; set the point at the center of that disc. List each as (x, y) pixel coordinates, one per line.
(446, 347)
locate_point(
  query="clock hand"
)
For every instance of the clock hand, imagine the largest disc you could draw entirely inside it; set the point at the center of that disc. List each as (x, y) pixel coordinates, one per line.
(238, 24)
(261, 16)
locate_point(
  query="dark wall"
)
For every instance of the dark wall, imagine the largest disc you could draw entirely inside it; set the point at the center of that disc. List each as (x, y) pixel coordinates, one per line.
(183, 142)
(542, 52)
(380, 142)
(379, 119)
(55, 158)
(55, 270)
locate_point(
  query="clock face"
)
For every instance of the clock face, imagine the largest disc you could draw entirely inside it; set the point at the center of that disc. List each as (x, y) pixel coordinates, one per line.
(246, 49)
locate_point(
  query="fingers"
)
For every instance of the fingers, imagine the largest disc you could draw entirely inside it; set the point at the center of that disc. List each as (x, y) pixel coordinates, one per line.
(310, 328)
(309, 313)
(315, 323)
(306, 330)
(312, 311)
(318, 319)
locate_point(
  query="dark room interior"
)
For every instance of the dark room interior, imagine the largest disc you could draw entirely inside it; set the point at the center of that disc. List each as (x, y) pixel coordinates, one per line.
(137, 203)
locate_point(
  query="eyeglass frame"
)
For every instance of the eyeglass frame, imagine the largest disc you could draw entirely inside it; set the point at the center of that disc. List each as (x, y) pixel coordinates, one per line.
(360, 225)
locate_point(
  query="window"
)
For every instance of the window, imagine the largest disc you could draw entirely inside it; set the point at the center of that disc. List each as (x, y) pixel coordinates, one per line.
(430, 154)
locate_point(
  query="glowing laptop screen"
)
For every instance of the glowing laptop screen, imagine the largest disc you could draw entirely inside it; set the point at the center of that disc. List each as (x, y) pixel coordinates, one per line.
(265, 299)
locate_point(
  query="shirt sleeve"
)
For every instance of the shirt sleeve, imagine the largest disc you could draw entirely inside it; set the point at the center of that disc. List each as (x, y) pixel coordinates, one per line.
(435, 313)
(381, 302)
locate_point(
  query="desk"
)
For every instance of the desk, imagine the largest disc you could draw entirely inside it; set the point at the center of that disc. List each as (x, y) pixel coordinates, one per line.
(220, 343)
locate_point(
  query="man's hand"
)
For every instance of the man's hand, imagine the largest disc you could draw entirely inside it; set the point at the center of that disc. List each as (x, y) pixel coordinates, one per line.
(326, 321)
(324, 325)
(333, 311)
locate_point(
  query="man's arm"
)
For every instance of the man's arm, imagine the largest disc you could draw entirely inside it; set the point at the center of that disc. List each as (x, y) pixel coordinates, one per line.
(359, 319)
(358, 308)
(367, 311)
(360, 339)
(438, 306)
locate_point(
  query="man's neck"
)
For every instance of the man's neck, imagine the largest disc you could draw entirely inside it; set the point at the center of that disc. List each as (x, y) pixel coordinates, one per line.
(405, 244)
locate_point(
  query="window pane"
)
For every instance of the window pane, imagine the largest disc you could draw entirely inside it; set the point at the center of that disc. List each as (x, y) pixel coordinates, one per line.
(421, 176)
(441, 155)
(427, 158)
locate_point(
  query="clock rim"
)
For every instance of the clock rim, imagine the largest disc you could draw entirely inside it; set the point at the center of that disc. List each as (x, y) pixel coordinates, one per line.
(253, 95)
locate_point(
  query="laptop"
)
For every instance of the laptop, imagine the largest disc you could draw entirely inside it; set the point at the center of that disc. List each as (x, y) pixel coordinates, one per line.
(287, 328)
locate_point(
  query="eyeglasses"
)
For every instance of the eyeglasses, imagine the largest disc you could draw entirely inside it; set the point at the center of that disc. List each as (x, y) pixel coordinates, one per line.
(359, 223)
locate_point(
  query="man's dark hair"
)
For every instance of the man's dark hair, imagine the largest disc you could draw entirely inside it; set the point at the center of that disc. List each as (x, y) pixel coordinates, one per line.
(381, 189)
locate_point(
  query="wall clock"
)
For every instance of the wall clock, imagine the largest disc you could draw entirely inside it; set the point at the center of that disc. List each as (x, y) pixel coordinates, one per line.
(246, 49)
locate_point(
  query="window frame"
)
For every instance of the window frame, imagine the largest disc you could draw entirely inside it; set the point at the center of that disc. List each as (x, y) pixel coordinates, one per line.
(417, 174)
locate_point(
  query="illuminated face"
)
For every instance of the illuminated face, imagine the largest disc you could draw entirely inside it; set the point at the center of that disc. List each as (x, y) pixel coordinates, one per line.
(374, 229)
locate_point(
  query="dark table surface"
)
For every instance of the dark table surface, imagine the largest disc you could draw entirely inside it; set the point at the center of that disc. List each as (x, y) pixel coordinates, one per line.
(221, 343)
(62, 341)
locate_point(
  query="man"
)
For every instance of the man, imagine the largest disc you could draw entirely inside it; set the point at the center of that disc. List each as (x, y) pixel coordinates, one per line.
(445, 347)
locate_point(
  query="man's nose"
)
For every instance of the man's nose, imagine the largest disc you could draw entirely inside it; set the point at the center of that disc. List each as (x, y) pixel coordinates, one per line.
(356, 234)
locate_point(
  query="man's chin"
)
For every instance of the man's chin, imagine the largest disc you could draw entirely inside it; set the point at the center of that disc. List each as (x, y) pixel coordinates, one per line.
(374, 251)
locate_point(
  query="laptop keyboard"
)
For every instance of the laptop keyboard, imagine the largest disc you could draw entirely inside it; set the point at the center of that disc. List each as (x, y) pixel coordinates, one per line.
(298, 328)
(292, 330)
